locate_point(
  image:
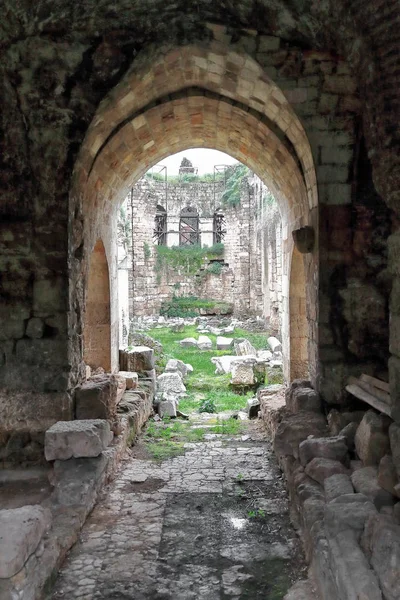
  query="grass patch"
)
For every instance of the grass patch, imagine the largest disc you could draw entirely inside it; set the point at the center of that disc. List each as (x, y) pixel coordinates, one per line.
(203, 385)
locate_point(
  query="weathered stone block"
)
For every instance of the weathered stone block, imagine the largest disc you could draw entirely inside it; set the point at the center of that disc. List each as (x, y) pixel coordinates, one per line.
(322, 468)
(176, 366)
(387, 475)
(171, 383)
(365, 481)
(204, 343)
(188, 342)
(372, 438)
(21, 530)
(77, 439)
(274, 344)
(244, 348)
(296, 428)
(97, 398)
(337, 485)
(131, 379)
(242, 373)
(139, 359)
(385, 557)
(167, 408)
(334, 448)
(349, 511)
(224, 343)
(303, 398)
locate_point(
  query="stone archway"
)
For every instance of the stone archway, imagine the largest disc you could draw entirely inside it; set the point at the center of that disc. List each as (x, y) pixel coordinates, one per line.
(97, 325)
(252, 121)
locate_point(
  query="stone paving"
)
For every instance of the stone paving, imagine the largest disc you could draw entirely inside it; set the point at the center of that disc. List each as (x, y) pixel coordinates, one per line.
(210, 524)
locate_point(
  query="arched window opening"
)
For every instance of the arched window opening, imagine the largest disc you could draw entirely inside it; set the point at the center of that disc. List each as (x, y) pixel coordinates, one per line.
(219, 227)
(189, 227)
(160, 226)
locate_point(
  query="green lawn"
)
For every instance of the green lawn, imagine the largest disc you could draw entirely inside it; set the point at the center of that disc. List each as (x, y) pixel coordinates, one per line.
(203, 384)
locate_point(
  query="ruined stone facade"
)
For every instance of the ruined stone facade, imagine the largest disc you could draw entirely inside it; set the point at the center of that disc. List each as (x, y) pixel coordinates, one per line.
(251, 261)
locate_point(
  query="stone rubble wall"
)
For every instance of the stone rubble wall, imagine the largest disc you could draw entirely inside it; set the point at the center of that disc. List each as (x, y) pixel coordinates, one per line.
(342, 472)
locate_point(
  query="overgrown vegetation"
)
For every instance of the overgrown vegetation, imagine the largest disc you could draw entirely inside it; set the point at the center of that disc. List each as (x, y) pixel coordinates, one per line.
(167, 438)
(186, 178)
(215, 268)
(235, 175)
(190, 306)
(187, 259)
(203, 384)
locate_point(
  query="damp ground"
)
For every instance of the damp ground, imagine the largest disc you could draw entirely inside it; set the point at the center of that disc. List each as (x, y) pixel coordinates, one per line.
(209, 523)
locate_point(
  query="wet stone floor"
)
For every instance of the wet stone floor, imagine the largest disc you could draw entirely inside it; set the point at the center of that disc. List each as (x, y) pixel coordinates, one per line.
(210, 524)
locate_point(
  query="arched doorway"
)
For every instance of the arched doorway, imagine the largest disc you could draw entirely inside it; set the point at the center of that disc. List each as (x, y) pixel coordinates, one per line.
(97, 325)
(191, 111)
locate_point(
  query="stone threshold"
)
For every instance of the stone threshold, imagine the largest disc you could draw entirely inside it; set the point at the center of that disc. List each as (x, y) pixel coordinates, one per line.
(77, 484)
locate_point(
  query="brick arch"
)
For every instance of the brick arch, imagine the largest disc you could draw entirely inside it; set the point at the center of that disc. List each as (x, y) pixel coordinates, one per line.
(252, 121)
(97, 323)
(211, 66)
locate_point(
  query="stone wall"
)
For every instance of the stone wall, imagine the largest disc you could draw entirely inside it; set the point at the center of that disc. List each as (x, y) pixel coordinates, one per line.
(240, 282)
(92, 97)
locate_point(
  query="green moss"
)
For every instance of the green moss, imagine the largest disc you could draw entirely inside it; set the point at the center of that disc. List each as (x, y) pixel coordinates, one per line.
(185, 259)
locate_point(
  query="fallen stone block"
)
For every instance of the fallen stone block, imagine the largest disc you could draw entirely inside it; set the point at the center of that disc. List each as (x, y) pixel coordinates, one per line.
(176, 366)
(365, 481)
(337, 485)
(204, 343)
(97, 398)
(303, 398)
(167, 408)
(131, 379)
(296, 428)
(224, 343)
(264, 355)
(188, 342)
(21, 530)
(322, 468)
(139, 359)
(339, 420)
(387, 475)
(274, 344)
(171, 383)
(76, 439)
(334, 448)
(372, 438)
(242, 374)
(244, 348)
(349, 511)
(385, 557)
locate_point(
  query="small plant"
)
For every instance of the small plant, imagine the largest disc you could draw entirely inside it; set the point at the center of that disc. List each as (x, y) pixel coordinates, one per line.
(146, 250)
(239, 477)
(215, 268)
(207, 406)
(258, 513)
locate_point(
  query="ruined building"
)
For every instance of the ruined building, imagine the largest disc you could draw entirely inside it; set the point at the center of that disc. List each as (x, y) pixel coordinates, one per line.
(305, 94)
(158, 214)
